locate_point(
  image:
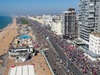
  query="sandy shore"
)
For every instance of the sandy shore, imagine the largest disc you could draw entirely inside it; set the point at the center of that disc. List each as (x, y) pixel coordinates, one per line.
(7, 35)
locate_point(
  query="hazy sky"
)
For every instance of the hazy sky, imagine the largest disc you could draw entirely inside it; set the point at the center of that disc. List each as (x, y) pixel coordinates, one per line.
(25, 7)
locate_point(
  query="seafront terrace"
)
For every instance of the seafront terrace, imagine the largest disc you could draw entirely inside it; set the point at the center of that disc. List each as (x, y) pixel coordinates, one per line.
(22, 41)
(21, 48)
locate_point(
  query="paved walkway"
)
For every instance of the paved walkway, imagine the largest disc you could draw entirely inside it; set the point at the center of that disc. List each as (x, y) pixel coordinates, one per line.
(3, 66)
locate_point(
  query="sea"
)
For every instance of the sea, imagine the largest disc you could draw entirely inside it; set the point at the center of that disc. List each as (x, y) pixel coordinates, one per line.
(5, 21)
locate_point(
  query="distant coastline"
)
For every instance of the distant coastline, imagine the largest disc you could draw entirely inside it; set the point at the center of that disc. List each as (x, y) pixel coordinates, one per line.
(5, 21)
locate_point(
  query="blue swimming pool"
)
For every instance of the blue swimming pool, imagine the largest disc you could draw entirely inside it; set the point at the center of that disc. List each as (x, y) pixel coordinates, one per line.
(24, 37)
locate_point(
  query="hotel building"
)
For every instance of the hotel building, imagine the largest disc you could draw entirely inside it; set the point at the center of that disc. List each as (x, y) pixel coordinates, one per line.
(69, 25)
(89, 18)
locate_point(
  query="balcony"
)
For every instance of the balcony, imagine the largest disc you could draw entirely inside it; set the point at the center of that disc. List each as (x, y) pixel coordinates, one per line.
(92, 10)
(84, 30)
(91, 16)
(91, 4)
(92, 21)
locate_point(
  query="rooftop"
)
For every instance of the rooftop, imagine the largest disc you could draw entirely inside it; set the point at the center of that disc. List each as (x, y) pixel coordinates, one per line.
(96, 34)
(79, 42)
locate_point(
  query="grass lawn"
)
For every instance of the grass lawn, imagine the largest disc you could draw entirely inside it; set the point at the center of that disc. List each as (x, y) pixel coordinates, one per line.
(24, 21)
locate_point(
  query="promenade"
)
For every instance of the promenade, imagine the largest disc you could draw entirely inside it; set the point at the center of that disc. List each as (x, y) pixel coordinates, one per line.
(6, 36)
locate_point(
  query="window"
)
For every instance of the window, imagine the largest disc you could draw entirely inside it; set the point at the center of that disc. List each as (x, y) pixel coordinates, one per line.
(98, 51)
(95, 51)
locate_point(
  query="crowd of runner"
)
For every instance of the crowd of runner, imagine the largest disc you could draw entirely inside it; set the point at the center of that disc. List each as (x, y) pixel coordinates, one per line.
(82, 61)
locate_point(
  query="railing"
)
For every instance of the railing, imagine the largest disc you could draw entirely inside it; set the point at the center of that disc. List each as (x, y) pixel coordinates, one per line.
(48, 63)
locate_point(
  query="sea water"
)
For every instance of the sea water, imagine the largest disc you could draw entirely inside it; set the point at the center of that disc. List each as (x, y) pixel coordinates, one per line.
(5, 21)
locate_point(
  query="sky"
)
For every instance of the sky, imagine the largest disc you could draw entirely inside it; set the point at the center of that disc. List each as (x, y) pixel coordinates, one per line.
(29, 7)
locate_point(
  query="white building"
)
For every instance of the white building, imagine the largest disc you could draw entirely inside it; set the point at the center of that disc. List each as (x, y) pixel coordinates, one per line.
(47, 19)
(56, 28)
(38, 19)
(94, 43)
(53, 22)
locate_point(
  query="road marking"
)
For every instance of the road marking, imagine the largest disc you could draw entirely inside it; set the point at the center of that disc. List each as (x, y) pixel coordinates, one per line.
(64, 71)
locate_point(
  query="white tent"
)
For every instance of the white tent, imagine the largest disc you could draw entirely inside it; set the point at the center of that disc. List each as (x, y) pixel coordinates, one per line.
(22, 70)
